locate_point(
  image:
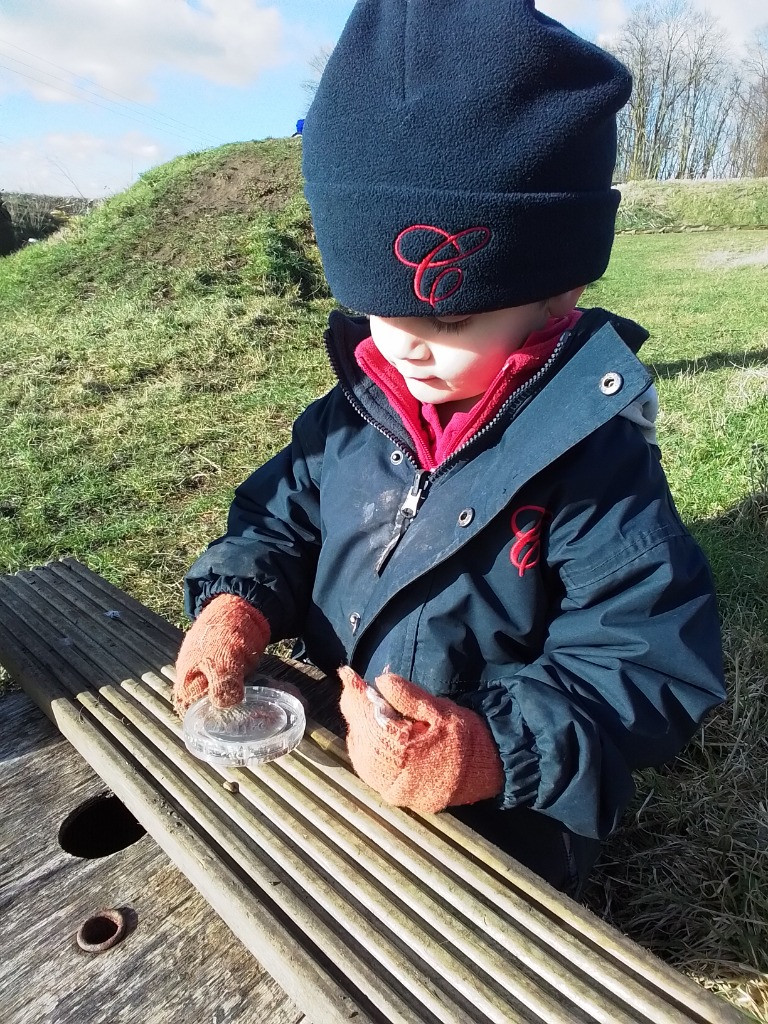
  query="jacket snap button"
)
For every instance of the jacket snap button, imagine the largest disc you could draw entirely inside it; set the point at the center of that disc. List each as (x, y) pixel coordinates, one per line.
(611, 383)
(354, 621)
(396, 458)
(466, 517)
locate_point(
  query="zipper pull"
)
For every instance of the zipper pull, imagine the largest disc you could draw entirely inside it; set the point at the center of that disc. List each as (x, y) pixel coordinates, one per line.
(410, 506)
(406, 513)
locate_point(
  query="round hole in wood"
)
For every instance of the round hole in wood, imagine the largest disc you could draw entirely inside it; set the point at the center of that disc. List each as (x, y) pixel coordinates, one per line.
(101, 931)
(98, 827)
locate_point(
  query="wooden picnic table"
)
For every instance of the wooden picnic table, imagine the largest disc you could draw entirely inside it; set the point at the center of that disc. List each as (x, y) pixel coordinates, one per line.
(179, 964)
(360, 911)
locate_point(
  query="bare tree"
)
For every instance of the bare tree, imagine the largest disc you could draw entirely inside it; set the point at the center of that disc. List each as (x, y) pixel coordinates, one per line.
(710, 88)
(317, 66)
(676, 122)
(748, 150)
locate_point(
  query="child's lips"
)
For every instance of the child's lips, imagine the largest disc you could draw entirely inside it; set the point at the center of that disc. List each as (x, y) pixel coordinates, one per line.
(415, 376)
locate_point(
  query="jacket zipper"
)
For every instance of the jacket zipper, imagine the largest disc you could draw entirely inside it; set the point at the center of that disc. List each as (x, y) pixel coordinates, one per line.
(529, 385)
(423, 479)
(405, 515)
(352, 399)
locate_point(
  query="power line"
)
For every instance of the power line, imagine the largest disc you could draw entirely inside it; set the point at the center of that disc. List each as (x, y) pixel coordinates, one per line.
(153, 116)
(102, 88)
(83, 99)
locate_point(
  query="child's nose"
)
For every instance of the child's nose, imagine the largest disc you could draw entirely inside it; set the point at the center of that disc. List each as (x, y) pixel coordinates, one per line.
(406, 346)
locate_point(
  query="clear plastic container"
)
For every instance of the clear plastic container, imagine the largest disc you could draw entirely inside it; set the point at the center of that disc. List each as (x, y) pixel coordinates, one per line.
(267, 724)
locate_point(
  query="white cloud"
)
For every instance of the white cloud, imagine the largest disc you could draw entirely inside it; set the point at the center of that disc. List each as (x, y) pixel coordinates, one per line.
(607, 14)
(740, 19)
(121, 43)
(61, 164)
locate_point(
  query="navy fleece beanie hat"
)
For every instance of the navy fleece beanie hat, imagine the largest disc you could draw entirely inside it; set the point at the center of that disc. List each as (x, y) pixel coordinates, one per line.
(458, 157)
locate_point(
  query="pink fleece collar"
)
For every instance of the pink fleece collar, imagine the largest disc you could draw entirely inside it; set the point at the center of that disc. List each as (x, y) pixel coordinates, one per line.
(433, 442)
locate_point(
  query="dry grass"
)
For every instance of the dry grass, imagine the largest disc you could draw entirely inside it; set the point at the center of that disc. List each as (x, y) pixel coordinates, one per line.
(686, 878)
(686, 874)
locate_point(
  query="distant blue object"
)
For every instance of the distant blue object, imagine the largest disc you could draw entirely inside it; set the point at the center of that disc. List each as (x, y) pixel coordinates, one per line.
(299, 127)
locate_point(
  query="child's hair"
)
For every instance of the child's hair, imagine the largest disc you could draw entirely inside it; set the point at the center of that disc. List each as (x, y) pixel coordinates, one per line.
(459, 156)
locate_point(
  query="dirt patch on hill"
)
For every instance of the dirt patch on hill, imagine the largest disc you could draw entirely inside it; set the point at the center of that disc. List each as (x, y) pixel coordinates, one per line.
(245, 181)
(725, 259)
(240, 183)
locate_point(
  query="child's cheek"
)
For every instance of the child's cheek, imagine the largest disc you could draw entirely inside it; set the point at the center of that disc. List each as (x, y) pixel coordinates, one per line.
(474, 377)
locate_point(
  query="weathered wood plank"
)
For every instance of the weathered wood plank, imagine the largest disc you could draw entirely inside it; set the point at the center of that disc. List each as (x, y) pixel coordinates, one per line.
(569, 946)
(427, 914)
(179, 962)
(359, 964)
(417, 919)
(244, 908)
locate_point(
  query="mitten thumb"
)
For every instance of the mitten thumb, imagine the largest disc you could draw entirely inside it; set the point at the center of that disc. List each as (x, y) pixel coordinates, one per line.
(224, 644)
(226, 681)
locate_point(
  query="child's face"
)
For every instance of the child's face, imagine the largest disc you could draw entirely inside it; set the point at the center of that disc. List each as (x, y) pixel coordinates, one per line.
(454, 358)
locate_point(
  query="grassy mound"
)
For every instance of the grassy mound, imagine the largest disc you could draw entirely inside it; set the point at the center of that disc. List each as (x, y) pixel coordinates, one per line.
(153, 353)
(229, 220)
(686, 205)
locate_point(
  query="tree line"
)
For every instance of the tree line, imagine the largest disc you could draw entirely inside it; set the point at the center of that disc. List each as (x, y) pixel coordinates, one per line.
(697, 109)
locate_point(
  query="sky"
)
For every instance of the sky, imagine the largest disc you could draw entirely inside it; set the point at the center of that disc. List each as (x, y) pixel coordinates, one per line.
(94, 92)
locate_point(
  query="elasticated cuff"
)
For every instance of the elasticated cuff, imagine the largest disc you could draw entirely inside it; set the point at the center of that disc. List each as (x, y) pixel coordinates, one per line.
(198, 592)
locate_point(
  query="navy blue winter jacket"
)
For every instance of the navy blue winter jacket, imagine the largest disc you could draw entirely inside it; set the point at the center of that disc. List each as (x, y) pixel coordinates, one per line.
(540, 576)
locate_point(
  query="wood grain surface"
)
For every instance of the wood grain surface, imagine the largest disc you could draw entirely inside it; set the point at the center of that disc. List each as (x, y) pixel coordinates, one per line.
(179, 963)
(362, 912)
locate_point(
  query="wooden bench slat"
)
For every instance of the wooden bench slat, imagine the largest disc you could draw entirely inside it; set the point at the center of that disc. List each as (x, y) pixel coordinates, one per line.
(323, 891)
(282, 955)
(431, 922)
(191, 966)
(184, 797)
(92, 582)
(494, 963)
(535, 957)
(157, 645)
(485, 993)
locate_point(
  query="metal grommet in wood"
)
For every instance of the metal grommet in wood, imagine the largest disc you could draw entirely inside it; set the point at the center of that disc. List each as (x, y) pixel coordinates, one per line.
(396, 458)
(611, 383)
(466, 516)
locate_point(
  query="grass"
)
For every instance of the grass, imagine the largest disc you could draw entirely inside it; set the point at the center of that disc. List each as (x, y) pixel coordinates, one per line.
(157, 351)
(152, 356)
(675, 205)
(686, 875)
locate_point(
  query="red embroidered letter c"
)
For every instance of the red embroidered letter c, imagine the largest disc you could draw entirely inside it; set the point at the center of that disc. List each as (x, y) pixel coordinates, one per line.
(448, 251)
(526, 550)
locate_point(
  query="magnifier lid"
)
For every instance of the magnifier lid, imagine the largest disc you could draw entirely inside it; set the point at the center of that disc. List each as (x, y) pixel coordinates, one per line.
(267, 724)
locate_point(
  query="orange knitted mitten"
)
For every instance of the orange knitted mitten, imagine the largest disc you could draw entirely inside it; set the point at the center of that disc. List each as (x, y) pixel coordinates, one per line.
(438, 755)
(224, 645)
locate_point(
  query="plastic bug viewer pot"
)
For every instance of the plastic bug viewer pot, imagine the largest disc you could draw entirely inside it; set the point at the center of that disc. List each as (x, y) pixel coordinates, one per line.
(267, 724)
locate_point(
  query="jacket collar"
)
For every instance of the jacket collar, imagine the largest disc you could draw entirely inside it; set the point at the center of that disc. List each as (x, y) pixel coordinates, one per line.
(345, 332)
(600, 378)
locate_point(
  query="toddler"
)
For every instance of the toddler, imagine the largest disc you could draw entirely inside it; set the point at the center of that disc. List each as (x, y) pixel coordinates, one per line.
(475, 518)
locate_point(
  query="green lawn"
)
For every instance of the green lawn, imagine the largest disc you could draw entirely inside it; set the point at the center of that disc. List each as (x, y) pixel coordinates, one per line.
(145, 375)
(688, 875)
